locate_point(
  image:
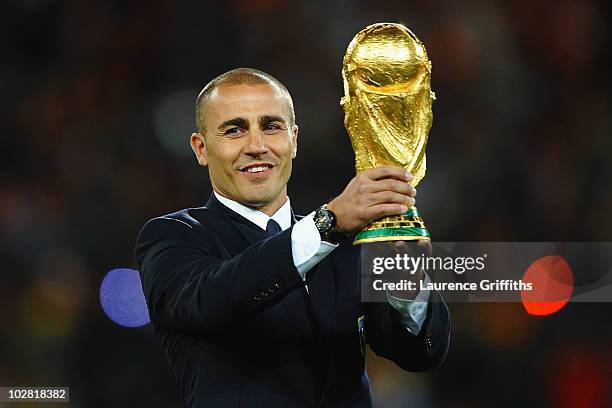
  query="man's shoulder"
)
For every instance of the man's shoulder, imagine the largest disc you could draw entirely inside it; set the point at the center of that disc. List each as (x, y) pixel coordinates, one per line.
(189, 217)
(185, 220)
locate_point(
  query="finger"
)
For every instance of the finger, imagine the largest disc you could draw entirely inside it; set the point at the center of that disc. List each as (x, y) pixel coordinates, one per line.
(393, 185)
(425, 246)
(400, 244)
(422, 246)
(382, 210)
(390, 197)
(384, 172)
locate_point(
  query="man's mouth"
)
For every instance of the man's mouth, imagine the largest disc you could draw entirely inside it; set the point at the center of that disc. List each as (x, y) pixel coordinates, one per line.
(256, 168)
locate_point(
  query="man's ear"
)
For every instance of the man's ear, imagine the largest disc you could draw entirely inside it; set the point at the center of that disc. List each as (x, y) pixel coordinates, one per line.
(198, 145)
(294, 131)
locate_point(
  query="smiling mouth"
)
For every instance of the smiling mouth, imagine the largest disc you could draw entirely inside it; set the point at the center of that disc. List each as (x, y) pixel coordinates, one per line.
(257, 168)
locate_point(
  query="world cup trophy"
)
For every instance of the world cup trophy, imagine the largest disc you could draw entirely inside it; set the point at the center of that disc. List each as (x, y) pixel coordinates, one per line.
(387, 113)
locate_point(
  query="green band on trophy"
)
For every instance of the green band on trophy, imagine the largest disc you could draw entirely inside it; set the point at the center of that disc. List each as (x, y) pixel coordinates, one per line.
(406, 227)
(388, 234)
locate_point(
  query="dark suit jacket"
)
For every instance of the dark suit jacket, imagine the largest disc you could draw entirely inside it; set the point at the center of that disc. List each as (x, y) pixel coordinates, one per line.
(240, 330)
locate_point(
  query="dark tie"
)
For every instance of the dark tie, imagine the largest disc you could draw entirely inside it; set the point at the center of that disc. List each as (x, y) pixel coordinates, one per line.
(273, 228)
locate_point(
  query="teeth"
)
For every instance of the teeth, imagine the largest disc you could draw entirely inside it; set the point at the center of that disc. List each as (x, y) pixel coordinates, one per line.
(257, 169)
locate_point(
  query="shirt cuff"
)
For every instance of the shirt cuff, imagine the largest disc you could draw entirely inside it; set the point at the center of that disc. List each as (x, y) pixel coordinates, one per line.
(412, 312)
(307, 247)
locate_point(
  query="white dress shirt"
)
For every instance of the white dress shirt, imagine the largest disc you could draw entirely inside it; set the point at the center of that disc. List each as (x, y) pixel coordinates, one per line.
(308, 250)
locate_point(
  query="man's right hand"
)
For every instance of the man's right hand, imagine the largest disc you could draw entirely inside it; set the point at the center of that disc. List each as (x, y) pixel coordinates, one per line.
(373, 194)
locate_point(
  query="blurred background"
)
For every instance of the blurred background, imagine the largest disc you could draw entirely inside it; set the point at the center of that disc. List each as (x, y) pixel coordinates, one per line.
(96, 108)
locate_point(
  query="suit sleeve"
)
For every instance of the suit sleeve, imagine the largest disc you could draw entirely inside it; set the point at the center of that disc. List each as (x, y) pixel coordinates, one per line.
(389, 338)
(190, 288)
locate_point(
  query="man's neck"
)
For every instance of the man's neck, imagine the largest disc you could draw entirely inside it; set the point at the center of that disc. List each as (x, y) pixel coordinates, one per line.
(267, 208)
(271, 208)
(283, 215)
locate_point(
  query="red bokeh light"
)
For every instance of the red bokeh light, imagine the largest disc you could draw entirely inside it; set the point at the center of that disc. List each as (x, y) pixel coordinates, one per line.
(553, 282)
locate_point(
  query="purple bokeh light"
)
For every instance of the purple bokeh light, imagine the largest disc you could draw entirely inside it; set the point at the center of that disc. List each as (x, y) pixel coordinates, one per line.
(122, 298)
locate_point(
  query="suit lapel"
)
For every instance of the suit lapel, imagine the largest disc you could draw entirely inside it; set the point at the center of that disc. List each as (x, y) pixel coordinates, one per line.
(321, 284)
(295, 305)
(322, 295)
(216, 205)
(297, 308)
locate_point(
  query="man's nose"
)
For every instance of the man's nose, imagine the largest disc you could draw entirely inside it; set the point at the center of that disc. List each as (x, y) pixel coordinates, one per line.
(256, 144)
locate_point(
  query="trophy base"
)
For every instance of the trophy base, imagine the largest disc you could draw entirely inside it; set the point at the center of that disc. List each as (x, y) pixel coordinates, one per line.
(405, 227)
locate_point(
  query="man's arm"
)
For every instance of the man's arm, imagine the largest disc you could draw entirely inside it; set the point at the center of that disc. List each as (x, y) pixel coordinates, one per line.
(373, 194)
(387, 335)
(412, 305)
(188, 288)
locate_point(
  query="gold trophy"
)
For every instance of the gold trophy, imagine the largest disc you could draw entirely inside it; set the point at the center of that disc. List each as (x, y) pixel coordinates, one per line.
(387, 113)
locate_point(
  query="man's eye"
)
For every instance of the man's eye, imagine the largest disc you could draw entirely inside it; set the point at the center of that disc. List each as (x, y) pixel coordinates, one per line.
(271, 126)
(232, 131)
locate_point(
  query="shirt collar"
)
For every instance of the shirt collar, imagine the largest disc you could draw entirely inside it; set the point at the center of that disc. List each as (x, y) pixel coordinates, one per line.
(282, 216)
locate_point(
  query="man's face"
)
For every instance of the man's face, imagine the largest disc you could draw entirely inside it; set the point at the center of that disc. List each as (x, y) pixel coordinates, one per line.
(249, 144)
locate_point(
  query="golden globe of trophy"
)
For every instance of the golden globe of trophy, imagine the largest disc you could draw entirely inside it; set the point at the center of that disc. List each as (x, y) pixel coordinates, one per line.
(387, 113)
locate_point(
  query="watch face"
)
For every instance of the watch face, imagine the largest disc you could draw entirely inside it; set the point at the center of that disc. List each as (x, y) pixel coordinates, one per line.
(323, 220)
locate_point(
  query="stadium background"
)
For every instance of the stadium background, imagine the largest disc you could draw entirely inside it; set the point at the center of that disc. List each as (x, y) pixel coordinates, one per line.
(96, 110)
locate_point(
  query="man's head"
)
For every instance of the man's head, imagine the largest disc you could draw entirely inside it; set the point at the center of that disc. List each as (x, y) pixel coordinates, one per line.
(247, 137)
